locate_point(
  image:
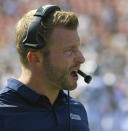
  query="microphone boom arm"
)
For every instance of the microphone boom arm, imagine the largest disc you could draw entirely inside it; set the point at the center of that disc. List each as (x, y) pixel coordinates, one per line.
(87, 78)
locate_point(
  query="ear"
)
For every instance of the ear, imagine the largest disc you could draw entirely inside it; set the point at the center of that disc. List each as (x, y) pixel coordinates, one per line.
(34, 58)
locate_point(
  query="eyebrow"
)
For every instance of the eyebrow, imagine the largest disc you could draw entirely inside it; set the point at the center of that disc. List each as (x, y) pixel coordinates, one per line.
(71, 47)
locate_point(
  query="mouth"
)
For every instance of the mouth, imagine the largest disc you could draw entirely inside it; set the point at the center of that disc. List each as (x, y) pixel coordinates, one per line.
(74, 74)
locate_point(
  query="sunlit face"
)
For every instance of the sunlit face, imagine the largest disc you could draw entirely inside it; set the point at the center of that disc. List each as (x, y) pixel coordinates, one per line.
(64, 59)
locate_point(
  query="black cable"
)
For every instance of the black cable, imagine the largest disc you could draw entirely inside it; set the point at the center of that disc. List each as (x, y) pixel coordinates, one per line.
(70, 125)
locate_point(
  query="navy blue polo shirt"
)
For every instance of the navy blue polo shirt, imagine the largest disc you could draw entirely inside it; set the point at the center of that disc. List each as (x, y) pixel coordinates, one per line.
(22, 109)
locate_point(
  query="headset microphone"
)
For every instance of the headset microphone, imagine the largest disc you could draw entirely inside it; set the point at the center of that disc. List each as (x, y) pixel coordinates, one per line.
(87, 78)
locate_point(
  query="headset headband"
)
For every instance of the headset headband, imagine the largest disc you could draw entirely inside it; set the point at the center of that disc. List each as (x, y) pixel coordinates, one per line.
(32, 39)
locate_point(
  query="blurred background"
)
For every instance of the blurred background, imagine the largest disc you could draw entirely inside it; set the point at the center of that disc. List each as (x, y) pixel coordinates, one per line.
(103, 31)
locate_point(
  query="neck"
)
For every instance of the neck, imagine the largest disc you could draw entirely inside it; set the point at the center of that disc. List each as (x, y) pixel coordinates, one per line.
(40, 86)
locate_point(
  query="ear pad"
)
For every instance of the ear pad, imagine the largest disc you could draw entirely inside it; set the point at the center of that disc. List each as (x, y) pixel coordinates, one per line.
(32, 39)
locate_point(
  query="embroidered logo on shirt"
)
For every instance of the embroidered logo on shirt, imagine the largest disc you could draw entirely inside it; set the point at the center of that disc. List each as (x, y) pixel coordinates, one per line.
(75, 116)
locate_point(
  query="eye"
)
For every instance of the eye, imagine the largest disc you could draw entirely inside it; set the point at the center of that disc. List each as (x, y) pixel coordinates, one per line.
(69, 52)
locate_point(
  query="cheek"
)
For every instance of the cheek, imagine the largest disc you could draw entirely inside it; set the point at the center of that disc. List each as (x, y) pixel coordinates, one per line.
(68, 60)
(55, 58)
(61, 60)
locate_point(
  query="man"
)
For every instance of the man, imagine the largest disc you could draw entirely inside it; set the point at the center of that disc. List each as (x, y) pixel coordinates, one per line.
(36, 101)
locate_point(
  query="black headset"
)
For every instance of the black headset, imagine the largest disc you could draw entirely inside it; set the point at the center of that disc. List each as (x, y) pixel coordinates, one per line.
(32, 39)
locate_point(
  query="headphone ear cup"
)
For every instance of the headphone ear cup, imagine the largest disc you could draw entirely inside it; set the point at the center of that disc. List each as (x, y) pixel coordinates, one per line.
(33, 39)
(41, 40)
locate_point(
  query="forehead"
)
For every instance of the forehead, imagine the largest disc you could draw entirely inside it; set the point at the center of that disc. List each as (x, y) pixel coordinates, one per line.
(63, 37)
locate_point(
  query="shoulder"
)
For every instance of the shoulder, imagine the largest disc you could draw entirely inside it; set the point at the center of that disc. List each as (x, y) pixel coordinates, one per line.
(8, 98)
(77, 110)
(5, 93)
(74, 103)
(77, 104)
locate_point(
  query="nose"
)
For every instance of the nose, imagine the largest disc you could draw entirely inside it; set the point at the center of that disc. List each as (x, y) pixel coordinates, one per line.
(79, 59)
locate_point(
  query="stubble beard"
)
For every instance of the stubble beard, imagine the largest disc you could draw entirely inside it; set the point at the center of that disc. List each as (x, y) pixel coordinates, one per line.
(58, 77)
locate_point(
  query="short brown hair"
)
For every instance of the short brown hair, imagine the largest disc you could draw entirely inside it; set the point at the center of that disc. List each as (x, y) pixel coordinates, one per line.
(58, 18)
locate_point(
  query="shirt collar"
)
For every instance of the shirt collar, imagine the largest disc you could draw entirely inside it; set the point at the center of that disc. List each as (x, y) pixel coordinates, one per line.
(27, 92)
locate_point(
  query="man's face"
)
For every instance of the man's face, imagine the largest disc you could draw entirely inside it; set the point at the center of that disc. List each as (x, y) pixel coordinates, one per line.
(64, 59)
